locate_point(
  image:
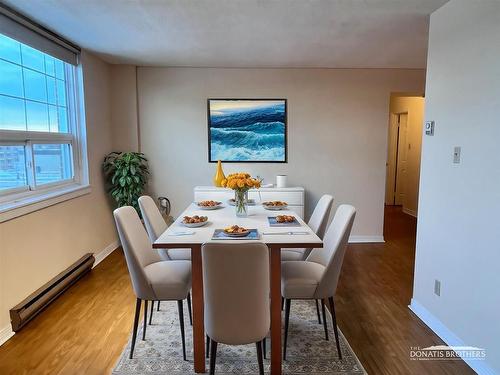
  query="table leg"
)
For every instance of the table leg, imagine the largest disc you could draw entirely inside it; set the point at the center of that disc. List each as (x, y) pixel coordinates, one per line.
(198, 324)
(275, 310)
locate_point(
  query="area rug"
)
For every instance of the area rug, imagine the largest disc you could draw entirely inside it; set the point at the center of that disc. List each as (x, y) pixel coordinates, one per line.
(307, 353)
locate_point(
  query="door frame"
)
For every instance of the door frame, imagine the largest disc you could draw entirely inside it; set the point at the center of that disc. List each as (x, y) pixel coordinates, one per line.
(392, 157)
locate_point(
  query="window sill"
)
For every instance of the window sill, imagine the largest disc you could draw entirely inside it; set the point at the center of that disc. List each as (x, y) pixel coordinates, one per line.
(27, 205)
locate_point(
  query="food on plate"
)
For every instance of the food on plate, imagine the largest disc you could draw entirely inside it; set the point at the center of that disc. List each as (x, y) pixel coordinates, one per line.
(194, 219)
(208, 203)
(285, 219)
(275, 203)
(235, 229)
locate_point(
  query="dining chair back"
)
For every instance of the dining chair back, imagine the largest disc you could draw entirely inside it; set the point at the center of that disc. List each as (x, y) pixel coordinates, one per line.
(153, 221)
(319, 218)
(331, 256)
(236, 290)
(137, 248)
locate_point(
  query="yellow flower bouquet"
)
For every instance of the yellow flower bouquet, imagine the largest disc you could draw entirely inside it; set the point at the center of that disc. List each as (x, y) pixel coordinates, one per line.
(241, 183)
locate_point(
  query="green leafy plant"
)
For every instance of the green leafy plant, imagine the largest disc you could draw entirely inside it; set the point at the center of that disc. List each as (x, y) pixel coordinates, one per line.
(126, 174)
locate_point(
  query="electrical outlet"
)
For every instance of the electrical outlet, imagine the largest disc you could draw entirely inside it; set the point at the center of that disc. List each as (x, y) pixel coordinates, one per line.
(437, 287)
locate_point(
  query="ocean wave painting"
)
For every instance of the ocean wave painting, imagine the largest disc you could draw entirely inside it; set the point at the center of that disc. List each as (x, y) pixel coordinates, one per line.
(244, 130)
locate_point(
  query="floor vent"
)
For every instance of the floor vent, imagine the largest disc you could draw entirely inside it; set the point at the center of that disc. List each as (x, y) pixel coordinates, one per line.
(31, 306)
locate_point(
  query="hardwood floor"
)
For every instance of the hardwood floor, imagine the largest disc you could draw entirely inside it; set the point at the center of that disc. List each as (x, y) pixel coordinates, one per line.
(372, 301)
(85, 330)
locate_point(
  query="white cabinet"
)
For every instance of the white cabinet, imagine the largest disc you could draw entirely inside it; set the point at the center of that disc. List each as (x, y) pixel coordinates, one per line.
(294, 196)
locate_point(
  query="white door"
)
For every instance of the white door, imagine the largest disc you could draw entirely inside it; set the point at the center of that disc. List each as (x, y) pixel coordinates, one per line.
(401, 160)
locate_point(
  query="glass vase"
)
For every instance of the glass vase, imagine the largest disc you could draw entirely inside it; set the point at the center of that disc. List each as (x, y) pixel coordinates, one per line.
(241, 203)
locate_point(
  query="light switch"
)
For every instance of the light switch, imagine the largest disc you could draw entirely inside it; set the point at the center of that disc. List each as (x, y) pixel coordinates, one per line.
(429, 127)
(456, 154)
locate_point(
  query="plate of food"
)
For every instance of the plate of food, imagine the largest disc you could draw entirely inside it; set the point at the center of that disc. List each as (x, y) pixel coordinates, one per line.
(250, 202)
(275, 205)
(236, 231)
(283, 221)
(194, 221)
(208, 205)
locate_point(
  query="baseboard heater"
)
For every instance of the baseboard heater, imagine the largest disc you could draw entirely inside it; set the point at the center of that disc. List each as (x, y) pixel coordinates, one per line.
(31, 306)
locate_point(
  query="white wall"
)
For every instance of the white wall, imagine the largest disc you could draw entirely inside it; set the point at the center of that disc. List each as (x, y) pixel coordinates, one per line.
(337, 130)
(36, 247)
(458, 239)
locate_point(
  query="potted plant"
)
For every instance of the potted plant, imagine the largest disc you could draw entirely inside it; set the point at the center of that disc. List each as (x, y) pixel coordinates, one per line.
(126, 174)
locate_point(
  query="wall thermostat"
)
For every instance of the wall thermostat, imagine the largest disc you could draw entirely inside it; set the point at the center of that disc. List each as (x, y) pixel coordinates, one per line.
(429, 127)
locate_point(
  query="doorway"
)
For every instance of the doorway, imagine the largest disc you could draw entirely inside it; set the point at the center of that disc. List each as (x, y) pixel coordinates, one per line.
(403, 153)
(397, 161)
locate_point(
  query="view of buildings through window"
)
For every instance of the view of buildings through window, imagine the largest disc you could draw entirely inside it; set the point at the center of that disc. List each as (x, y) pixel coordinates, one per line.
(33, 98)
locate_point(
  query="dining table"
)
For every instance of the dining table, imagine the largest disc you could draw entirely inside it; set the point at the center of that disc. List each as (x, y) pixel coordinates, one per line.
(276, 238)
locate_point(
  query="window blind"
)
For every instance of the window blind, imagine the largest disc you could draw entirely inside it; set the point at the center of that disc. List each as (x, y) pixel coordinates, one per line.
(22, 29)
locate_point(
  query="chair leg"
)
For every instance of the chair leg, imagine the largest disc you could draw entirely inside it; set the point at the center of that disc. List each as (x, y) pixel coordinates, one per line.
(324, 319)
(264, 348)
(151, 313)
(145, 319)
(213, 356)
(189, 309)
(259, 357)
(181, 321)
(335, 330)
(282, 303)
(317, 312)
(136, 323)
(288, 303)
(207, 351)
(158, 307)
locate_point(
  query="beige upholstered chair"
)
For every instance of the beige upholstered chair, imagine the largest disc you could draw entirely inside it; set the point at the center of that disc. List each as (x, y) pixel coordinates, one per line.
(236, 290)
(152, 278)
(155, 225)
(317, 277)
(318, 223)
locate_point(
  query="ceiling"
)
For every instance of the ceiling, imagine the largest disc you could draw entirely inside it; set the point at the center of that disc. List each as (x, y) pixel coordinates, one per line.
(244, 33)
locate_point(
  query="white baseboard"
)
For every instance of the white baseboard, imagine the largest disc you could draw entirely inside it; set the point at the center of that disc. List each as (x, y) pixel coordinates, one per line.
(479, 366)
(410, 212)
(366, 239)
(5, 334)
(100, 256)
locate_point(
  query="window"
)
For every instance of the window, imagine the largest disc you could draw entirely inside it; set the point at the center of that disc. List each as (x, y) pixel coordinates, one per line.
(41, 134)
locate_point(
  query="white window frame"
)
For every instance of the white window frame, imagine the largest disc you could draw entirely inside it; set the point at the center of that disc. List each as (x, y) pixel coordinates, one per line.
(22, 200)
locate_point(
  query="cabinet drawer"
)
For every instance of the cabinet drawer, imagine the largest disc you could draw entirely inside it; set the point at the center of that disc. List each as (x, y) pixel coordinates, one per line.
(221, 196)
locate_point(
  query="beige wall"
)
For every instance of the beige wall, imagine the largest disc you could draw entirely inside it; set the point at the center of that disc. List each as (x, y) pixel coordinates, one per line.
(414, 106)
(337, 130)
(124, 108)
(37, 246)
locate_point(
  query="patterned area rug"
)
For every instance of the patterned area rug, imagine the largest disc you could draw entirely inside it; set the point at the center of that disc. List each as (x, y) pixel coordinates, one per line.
(308, 352)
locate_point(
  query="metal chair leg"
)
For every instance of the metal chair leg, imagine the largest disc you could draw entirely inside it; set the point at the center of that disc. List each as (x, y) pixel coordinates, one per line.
(264, 348)
(189, 309)
(288, 303)
(317, 312)
(136, 323)
(335, 330)
(259, 357)
(151, 313)
(324, 319)
(181, 321)
(207, 351)
(158, 308)
(145, 319)
(282, 303)
(213, 356)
